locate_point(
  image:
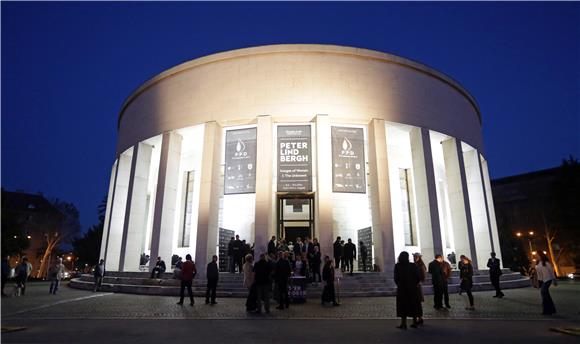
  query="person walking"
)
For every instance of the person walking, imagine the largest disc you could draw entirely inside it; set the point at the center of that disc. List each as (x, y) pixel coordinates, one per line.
(447, 274)
(328, 293)
(363, 254)
(99, 274)
(438, 280)
(337, 248)
(417, 258)
(22, 272)
(5, 272)
(55, 273)
(188, 272)
(494, 274)
(262, 282)
(282, 274)
(407, 280)
(546, 277)
(466, 277)
(213, 275)
(159, 269)
(349, 255)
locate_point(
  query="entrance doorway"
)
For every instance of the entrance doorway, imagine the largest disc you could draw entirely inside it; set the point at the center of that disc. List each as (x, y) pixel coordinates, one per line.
(295, 216)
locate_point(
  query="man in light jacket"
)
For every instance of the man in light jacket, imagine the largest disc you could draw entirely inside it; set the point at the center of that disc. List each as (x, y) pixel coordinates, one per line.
(55, 274)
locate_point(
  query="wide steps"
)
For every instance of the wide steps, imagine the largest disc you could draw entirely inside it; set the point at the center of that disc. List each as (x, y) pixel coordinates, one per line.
(231, 285)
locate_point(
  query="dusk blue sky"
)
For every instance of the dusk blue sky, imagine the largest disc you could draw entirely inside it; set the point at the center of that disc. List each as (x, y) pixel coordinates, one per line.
(67, 68)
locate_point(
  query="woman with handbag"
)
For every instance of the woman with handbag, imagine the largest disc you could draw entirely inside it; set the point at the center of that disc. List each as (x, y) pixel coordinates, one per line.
(466, 276)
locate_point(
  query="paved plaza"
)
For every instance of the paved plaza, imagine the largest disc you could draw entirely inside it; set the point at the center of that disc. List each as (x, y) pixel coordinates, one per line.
(81, 316)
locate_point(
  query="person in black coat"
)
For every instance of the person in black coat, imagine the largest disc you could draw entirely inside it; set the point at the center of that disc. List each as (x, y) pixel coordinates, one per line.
(363, 254)
(349, 255)
(466, 276)
(159, 268)
(212, 280)
(337, 248)
(494, 274)
(283, 272)
(239, 249)
(438, 280)
(407, 279)
(328, 294)
(315, 262)
(231, 259)
(272, 246)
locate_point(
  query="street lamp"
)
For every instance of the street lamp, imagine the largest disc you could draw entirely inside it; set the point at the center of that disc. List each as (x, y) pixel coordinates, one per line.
(529, 236)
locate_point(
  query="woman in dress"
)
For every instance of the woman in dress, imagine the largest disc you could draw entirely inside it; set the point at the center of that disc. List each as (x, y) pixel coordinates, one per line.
(407, 279)
(546, 277)
(466, 277)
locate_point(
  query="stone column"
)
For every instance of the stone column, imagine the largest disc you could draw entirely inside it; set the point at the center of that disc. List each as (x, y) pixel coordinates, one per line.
(135, 222)
(118, 210)
(495, 244)
(478, 207)
(426, 194)
(380, 191)
(110, 199)
(166, 199)
(209, 195)
(263, 229)
(323, 197)
(459, 200)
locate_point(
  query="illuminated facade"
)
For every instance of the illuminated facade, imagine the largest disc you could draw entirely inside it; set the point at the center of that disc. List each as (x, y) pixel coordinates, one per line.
(295, 140)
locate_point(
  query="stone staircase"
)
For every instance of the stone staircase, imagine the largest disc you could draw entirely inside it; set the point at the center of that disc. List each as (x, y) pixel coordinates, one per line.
(369, 284)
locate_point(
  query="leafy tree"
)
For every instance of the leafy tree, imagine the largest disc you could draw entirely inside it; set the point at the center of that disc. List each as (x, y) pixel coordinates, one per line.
(87, 248)
(14, 240)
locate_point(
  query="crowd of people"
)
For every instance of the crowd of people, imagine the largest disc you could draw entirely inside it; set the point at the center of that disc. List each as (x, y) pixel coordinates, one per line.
(272, 275)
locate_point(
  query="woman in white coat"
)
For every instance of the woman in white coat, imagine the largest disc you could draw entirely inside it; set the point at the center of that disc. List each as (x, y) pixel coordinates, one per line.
(546, 277)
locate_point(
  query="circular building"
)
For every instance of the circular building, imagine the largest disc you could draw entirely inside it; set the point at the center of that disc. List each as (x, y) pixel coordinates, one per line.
(294, 141)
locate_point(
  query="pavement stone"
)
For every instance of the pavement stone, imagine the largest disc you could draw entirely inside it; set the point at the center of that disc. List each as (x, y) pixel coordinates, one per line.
(519, 304)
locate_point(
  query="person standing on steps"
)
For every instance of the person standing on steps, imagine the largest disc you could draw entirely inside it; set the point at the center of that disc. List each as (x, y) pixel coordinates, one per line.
(438, 280)
(494, 274)
(466, 277)
(337, 248)
(213, 275)
(328, 294)
(407, 280)
(231, 260)
(262, 282)
(272, 245)
(349, 255)
(188, 272)
(363, 254)
(239, 249)
(282, 274)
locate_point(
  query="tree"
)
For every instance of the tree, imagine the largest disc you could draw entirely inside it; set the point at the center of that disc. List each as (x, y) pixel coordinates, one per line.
(60, 231)
(14, 240)
(87, 248)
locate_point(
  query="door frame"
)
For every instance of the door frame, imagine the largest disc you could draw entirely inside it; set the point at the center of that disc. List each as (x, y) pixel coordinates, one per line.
(280, 196)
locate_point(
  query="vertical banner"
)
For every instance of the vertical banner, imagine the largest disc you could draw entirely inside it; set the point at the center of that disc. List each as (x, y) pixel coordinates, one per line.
(224, 239)
(240, 159)
(366, 236)
(348, 160)
(294, 158)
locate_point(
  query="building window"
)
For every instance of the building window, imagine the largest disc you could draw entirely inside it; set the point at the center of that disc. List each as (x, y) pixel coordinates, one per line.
(185, 230)
(407, 206)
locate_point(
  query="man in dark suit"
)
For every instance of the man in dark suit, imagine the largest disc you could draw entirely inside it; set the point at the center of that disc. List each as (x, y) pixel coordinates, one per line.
(231, 259)
(337, 248)
(297, 248)
(212, 280)
(283, 272)
(438, 280)
(494, 274)
(349, 255)
(272, 246)
(239, 249)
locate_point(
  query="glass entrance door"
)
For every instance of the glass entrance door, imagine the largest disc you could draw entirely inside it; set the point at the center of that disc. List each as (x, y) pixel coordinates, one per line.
(295, 216)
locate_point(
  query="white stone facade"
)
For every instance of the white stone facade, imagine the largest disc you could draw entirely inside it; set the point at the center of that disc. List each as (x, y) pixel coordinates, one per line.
(427, 183)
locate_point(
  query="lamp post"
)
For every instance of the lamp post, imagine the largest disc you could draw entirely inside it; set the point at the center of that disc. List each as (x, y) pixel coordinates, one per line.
(529, 235)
